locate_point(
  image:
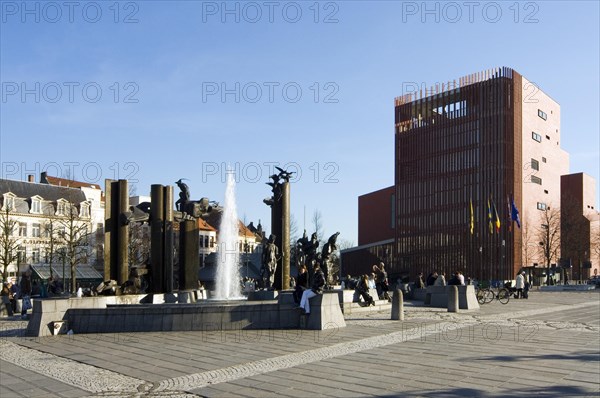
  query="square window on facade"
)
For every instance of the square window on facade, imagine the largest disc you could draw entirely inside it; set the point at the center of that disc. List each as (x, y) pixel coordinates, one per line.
(536, 136)
(542, 114)
(36, 206)
(535, 165)
(544, 160)
(22, 229)
(536, 180)
(541, 206)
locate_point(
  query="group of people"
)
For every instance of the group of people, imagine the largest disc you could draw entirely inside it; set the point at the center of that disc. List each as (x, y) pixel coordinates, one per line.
(439, 279)
(377, 279)
(302, 292)
(22, 291)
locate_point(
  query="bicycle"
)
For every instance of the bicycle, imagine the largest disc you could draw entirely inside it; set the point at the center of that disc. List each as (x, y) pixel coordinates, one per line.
(487, 295)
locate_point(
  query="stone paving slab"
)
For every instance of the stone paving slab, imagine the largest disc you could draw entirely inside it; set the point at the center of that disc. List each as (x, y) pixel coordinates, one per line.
(546, 345)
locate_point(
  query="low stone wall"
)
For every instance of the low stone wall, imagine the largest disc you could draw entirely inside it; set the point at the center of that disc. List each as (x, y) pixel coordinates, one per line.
(150, 313)
(562, 288)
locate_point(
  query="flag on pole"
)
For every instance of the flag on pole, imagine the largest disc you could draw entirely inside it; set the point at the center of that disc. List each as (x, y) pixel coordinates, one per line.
(472, 219)
(490, 224)
(496, 217)
(509, 222)
(514, 212)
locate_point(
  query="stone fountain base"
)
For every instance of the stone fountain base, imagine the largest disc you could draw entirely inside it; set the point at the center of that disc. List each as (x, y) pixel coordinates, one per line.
(99, 315)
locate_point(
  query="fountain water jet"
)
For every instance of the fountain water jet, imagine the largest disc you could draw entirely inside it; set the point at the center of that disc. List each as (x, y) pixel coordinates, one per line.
(228, 278)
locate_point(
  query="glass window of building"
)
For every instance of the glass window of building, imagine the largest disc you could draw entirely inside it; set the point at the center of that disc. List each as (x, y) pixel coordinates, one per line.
(22, 229)
(536, 136)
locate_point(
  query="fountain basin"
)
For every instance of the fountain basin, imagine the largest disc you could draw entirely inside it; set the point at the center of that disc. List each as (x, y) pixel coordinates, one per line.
(202, 316)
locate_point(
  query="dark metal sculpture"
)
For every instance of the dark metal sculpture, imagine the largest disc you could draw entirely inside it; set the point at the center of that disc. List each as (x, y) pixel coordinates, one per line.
(184, 195)
(301, 247)
(270, 256)
(311, 249)
(280, 224)
(326, 258)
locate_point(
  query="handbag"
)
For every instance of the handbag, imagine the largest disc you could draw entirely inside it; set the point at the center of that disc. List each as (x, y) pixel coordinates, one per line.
(27, 303)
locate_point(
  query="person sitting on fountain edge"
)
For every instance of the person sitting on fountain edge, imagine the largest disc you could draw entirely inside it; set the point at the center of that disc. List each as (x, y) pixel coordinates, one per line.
(317, 288)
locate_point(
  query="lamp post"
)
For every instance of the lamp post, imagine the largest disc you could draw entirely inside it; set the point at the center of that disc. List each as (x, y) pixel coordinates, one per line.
(546, 246)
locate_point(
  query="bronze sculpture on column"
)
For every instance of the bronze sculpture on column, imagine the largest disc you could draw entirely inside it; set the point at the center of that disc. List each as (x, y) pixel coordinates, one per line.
(280, 227)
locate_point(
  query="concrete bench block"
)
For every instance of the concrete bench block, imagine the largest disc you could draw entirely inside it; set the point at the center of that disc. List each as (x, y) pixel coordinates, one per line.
(437, 296)
(325, 312)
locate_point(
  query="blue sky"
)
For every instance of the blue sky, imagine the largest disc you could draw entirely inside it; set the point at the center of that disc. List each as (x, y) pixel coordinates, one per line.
(133, 89)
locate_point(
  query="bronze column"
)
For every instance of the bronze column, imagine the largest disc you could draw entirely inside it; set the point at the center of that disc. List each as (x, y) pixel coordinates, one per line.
(156, 237)
(285, 236)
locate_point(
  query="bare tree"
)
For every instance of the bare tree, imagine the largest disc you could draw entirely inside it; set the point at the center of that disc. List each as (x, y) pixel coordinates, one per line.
(75, 231)
(548, 234)
(139, 244)
(53, 241)
(595, 240)
(528, 246)
(9, 243)
(317, 221)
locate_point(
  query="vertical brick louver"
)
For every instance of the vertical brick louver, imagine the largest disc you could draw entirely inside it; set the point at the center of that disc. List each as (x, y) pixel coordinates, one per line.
(455, 143)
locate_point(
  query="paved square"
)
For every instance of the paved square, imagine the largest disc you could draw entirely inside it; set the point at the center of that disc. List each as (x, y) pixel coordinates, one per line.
(548, 345)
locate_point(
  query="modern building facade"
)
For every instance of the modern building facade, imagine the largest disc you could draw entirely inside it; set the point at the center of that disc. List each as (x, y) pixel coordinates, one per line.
(580, 234)
(477, 143)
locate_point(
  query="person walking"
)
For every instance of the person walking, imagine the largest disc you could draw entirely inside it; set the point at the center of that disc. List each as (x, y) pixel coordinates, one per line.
(520, 285)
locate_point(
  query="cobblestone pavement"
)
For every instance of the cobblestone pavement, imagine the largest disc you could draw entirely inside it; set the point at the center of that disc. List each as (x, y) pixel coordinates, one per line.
(548, 345)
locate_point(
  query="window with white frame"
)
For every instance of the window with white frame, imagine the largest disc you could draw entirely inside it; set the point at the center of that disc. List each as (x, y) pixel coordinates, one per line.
(35, 230)
(541, 206)
(36, 205)
(23, 229)
(9, 202)
(61, 208)
(85, 210)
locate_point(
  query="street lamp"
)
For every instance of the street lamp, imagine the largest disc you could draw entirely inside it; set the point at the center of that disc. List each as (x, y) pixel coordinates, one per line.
(546, 246)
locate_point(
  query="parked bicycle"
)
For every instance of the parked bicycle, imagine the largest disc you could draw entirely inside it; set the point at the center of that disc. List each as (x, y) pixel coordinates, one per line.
(487, 295)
